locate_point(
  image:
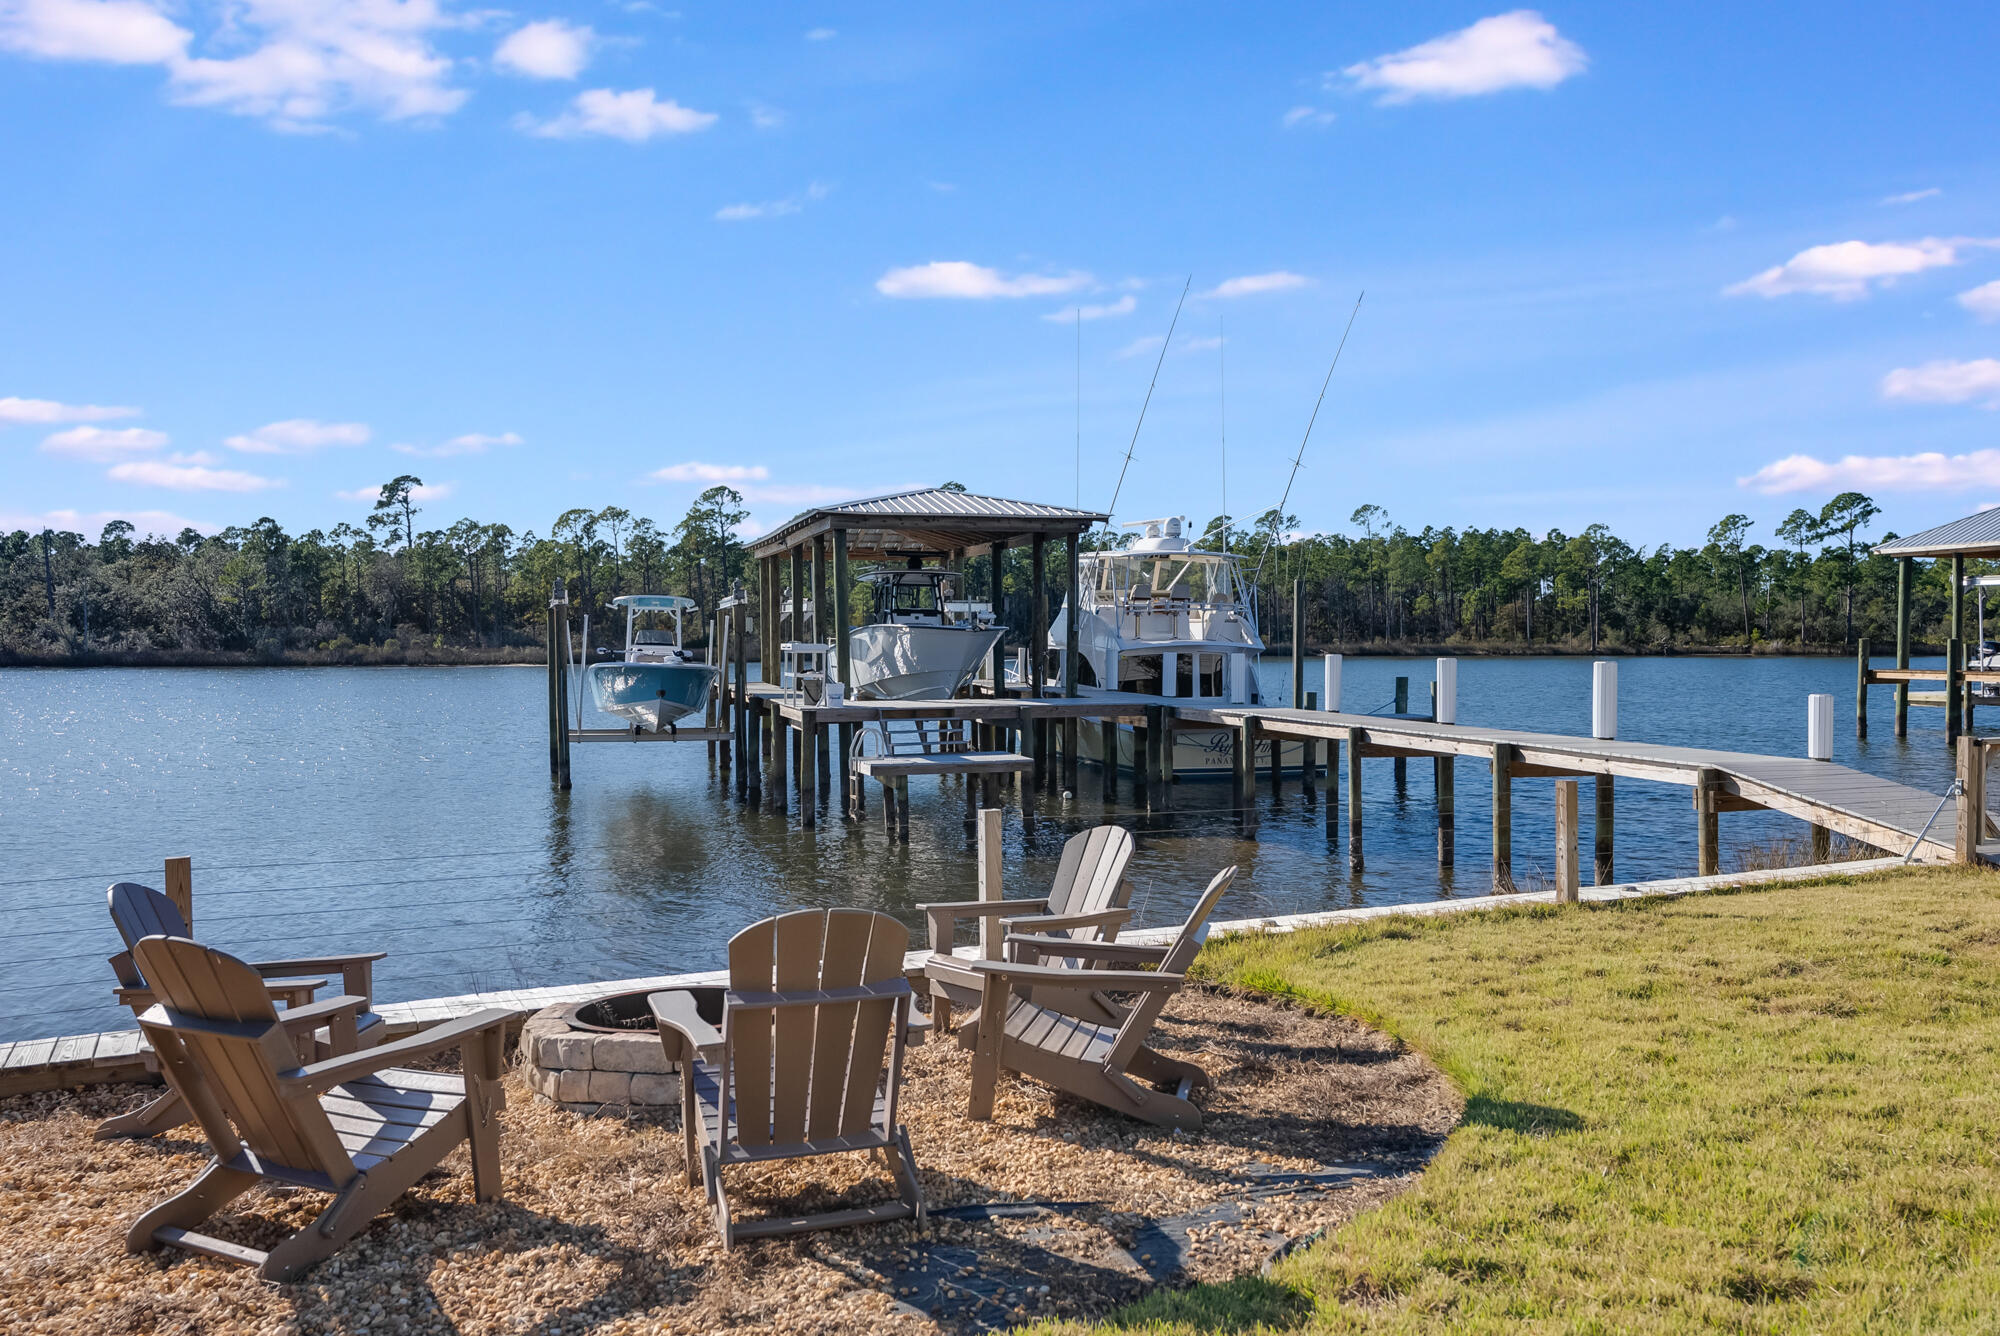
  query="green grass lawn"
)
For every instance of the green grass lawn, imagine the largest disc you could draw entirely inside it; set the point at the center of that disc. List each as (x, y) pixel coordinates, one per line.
(1759, 1111)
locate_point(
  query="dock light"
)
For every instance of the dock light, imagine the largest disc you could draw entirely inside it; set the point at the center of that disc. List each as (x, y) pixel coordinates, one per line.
(1819, 727)
(1604, 699)
(1444, 708)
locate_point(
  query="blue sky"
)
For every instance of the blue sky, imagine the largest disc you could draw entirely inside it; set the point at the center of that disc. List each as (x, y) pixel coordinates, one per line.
(1636, 267)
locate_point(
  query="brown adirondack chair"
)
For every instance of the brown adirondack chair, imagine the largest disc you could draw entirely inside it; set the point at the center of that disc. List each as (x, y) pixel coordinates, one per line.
(139, 912)
(1086, 902)
(1108, 1064)
(356, 1126)
(808, 1060)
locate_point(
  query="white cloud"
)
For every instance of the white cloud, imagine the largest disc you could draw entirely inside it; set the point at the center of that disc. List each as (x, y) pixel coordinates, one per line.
(763, 117)
(546, 49)
(298, 436)
(1123, 306)
(421, 492)
(1983, 301)
(810, 493)
(1909, 473)
(1251, 285)
(1911, 197)
(1145, 343)
(472, 443)
(1946, 382)
(962, 279)
(1209, 343)
(1845, 269)
(118, 32)
(104, 444)
(820, 34)
(694, 470)
(777, 208)
(1313, 117)
(1516, 50)
(634, 116)
(48, 411)
(91, 523)
(188, 477)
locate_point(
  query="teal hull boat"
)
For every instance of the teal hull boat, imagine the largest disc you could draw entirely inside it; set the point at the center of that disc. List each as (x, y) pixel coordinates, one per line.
(652, 696)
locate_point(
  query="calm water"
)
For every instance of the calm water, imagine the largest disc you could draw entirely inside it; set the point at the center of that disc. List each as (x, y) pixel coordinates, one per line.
(409, 810)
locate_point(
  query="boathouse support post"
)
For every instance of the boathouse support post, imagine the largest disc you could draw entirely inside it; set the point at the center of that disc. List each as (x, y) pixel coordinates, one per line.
(1246, 769)
(555, 719)
(799, 597)
(752, 768)
(1298, 641)
(1354, 858)
(1962, 705)
(740, 715)
(1861, 688)
(1568, 880)
(808, 769)
(1954, 686)
(1971, 798)
(1038, 654)
(1107, 743)
(1445, 782)
(1903, 640)
(1708, 831)
(997, 596)
(1503, 816)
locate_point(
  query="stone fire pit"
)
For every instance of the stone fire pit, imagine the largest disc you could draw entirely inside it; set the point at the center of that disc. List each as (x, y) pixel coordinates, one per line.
(604, 1056)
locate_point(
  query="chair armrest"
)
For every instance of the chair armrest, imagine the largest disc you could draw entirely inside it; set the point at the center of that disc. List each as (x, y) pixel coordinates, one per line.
(1048, 923)
(445, 1035)
(1131, 981)
(338, 1014)
(357, 970)
(297, 992)
(674, 1010)
(1034, 948)
(944, 916)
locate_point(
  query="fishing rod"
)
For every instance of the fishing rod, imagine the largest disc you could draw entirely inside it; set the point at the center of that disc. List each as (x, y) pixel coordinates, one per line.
(1112, 509)
(1278, 515)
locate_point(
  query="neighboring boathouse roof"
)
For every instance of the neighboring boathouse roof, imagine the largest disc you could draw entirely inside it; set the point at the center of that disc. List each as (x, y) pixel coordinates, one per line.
(927, 521)
(1974, 536)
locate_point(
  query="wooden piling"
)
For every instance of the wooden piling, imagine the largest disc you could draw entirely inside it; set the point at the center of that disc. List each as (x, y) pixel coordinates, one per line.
(1903, 642)
(1971, 799)
(1861, 688)
(998, 598)
(1277, 745)
(1708, 833)
(781, 744)
(1071, 727)
(1503, 816)
(903, 808)
(1445, 782)
(808, 773)
(1246, 765)
(1071, 665)
(1332, 791)
(1298, 642)
(1602, 829)
(1309, 750)
(1567, 877)
(554, 710)
(1354, 858)
(178, 885)
(1107, 742)
(1402, 706)
(1822, 844)
(752, 769)
(1954, 687)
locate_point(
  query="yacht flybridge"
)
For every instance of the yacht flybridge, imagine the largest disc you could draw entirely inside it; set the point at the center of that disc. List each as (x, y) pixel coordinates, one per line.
(1162, 617)
(922, 643)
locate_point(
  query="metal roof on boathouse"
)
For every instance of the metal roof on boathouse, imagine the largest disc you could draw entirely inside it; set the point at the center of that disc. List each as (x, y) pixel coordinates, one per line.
(929, 521)
(1974, 536)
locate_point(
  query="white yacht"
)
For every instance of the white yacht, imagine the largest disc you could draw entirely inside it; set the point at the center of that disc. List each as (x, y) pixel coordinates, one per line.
(1164, 618)
(922, 643)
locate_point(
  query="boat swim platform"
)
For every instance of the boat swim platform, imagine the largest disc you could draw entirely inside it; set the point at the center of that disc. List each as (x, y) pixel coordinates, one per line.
(1869, 808)
(114, 1056)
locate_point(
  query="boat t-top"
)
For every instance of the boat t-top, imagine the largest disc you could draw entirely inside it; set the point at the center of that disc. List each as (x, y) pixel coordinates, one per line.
(656, 682)
(921, 643)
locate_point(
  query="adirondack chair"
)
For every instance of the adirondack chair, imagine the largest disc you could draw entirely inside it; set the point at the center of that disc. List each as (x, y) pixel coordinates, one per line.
(1087, 902)
(356, 1126)
(139, 912)
(808, 1059)
(1108, 1064)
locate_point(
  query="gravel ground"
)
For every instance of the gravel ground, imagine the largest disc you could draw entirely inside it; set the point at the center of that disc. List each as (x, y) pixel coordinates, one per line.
(599, 1233)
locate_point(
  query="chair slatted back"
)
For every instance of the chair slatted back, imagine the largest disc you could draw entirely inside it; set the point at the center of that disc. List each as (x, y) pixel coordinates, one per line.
(1139, 1020)
(139, 912)
(218, 1032)
(1091, 876)
(810, 1072)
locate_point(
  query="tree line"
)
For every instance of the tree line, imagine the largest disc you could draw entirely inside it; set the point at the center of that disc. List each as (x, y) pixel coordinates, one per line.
(390, 590)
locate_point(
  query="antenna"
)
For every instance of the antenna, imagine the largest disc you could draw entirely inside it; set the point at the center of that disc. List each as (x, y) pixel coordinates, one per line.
(1278, 515)
(1113, 507)
(1222, 361)
(1079, 408)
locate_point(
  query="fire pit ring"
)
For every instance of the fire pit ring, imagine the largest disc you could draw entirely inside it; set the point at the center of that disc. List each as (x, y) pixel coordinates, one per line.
(604, 1056)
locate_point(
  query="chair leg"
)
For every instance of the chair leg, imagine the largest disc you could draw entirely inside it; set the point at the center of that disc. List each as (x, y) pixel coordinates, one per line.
(905, 1168)
(986, 1053)
(163, 1114)
(214, 1189)
(1151, 1065)
(720, 1200)
(690, 1121)
(482, 1136)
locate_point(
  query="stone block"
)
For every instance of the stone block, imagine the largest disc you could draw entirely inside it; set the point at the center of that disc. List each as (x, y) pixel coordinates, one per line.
(573, 1053)
(650, 1089)
(629, 1053)
(545, 1082)
(572, 1087)
(610, 1087)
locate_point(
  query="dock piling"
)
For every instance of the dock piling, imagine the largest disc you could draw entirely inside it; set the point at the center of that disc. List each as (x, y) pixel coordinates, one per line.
(1903, 640)
(1107, 744)
(1354, 857)
(1708, 851)
(1601, 832)
(1402, 706)
(1567, 878)
(1971, 799)
(1444, 781)
(1861, 688)
(1298, 641)
(1954, 688)
(1503, 816)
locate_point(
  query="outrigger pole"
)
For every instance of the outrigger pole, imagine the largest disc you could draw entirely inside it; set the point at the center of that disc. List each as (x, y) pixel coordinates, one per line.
(1112, 509)
(1278, 515)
